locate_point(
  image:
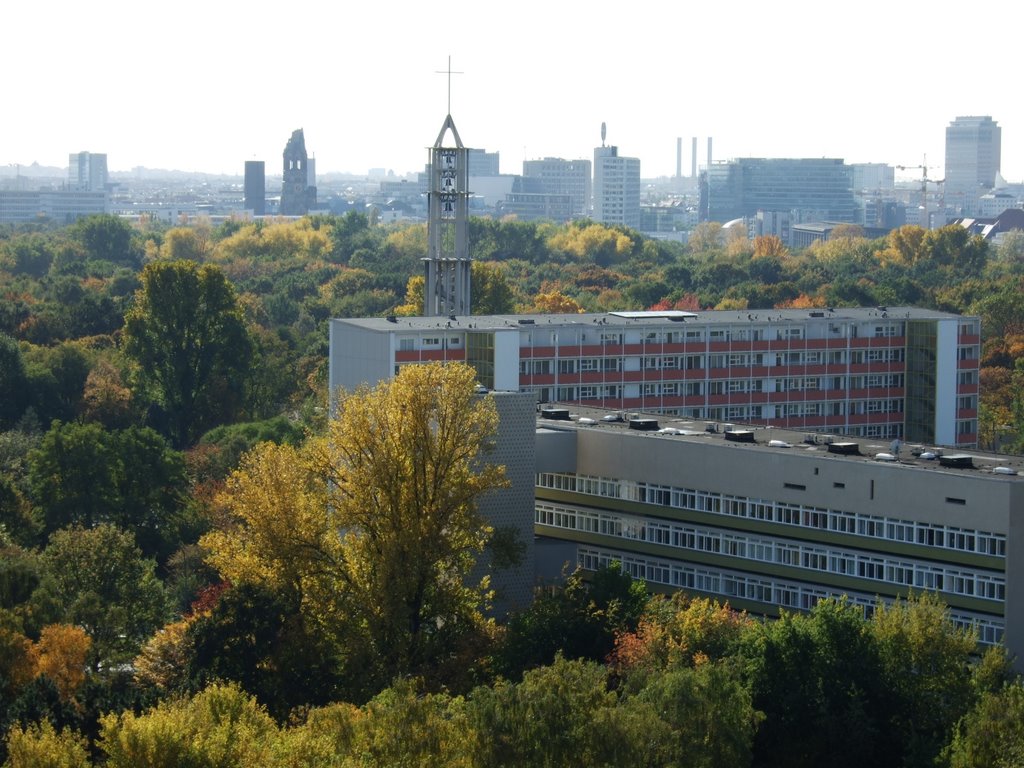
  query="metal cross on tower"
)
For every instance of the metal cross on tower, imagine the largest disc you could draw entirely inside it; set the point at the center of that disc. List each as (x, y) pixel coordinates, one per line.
(448, 72)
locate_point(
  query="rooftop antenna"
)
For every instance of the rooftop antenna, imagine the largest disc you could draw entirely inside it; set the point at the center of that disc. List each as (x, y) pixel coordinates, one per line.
(449, 73)
(604, 132)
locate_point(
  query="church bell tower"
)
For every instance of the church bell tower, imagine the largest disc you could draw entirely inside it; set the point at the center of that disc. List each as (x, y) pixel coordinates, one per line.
(447, 263)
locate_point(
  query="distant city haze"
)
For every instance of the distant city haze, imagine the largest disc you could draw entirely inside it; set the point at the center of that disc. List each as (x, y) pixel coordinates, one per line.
(208, 86)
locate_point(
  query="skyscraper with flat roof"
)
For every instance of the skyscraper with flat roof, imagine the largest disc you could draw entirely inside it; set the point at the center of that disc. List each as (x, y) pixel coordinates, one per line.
(972, 160)
(87, 172)
(616, 187)
(256, 187)
(810, 189)
(556, 176)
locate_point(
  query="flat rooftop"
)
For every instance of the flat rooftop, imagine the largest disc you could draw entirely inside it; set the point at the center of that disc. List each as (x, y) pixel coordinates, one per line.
(759, 437)
(640, 319)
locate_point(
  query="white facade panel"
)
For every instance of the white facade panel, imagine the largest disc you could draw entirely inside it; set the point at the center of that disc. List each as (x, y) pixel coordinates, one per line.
(506, 360)
(945, 381)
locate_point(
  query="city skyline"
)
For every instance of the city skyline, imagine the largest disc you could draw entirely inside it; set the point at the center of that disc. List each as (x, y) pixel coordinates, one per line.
(219, 85)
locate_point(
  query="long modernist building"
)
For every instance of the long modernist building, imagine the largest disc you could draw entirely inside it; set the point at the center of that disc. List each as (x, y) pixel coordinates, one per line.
(767, 518)
(885, 373)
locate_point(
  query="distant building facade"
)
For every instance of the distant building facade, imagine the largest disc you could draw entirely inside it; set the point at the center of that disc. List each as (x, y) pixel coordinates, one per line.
(255, 187)
(616, 187)
(483, 163)
(810, 189)
(973, 148)
(59, 206)
(298, 193)
(529, 200)
(87, 172)
(873, 179)
(558, 177)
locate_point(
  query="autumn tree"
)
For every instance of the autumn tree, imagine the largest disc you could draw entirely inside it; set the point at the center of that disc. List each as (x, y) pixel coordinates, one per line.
(705, 237)
(414, 297)
(61, 654)
(43, 746)
(221, 726)
(108, 238)
(186, 243)
(82, 474)
(102, 584)
(374, 527)
(186, 335)
(769, 246)
(13, 382)
(591, 241)
(552, 301)
(925, 671)
(491, 291)
(847, 231)
(406, 461)
(991, 735)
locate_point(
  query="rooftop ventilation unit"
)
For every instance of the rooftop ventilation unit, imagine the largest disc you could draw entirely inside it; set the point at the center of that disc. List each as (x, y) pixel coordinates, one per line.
(1004, 471)
(558, 414)
(527, 321)
(740, 435)
(644, 424)
(957, 461)
(845, 449)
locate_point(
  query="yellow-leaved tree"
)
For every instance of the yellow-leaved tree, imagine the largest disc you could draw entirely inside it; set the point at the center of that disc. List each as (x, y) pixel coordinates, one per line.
(407, 464)
(373, 528)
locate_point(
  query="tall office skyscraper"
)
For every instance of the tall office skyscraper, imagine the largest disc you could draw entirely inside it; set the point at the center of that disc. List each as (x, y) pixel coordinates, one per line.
(811, 189)
(972, 160)
(87, 172)
(616, 187)
(256, 187)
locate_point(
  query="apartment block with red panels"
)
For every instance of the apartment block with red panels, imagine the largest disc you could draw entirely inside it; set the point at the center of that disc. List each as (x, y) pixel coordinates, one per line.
(887, 373)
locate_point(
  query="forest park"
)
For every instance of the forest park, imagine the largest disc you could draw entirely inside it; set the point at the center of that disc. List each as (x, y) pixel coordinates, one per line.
(171, 588)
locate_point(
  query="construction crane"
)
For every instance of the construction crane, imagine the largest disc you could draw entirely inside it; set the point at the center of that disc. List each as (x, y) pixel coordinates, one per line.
(924, 180)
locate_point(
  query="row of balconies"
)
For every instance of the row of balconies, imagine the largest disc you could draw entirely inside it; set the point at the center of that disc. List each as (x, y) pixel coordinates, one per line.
(697, 347)
(669, 375)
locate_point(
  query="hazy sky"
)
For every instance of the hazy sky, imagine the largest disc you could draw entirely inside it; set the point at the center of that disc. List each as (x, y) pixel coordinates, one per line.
(205, 86)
